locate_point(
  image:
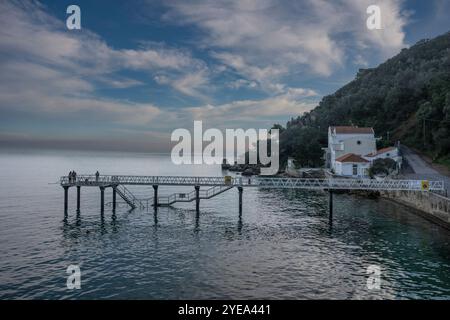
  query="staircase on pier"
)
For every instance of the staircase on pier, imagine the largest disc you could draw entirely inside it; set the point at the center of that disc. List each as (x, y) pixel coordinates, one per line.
(191, 196)
(165, 201)
(129, 197)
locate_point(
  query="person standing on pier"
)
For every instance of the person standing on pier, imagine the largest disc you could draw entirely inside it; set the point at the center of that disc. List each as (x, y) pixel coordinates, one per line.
(97, 174)
(70, 177)
(74, 176)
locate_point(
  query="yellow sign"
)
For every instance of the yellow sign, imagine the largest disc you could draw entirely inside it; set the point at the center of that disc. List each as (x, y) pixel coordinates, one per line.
(425, 185)
(227, 179)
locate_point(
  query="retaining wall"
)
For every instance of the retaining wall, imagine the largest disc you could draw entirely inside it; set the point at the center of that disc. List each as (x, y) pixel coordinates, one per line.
(430, 205)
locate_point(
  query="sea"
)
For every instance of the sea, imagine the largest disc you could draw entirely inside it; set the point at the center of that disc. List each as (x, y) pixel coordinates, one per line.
(282, 246)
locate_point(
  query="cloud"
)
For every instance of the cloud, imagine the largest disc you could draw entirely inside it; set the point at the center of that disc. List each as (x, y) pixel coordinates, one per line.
(29, 88)
(262, 76)
(119, 82)
(49, 72)
(242, 83)
(46, 63)
(265, 40)
(153, 58)
(296, 93)
(190, 84)
(254, 112)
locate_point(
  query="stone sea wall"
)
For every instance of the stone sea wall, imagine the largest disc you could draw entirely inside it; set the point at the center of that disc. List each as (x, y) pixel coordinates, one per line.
(430, 205)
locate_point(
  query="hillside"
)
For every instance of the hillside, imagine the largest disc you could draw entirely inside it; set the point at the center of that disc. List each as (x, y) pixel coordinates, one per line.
(407, 98)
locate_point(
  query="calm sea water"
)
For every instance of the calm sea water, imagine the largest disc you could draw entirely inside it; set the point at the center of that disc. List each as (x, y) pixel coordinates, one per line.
(281, 248)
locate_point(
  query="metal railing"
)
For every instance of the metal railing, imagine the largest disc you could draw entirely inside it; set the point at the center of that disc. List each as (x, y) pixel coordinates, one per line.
(190, 196)
(263, 182)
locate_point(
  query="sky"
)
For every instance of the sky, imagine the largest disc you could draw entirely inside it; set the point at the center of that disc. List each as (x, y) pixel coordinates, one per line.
(137, 70)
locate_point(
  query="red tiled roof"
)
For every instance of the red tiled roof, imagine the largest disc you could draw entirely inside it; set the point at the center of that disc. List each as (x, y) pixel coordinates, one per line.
(351, 157)
(373, 154)
(352, 130)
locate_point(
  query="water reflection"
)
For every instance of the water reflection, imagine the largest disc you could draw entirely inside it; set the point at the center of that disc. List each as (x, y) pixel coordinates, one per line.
(239, 224)
(73, 229)
(155, 217)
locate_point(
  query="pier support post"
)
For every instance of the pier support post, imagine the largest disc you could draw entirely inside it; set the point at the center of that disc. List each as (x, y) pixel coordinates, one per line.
(155, 196)
(330, 204)
(102, 199)
(197, 198)
(66, 199)
(240, 189)
(78, 198)
(114, 199)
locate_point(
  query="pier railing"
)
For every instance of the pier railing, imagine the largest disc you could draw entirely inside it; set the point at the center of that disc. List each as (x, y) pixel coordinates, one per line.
(263, 182)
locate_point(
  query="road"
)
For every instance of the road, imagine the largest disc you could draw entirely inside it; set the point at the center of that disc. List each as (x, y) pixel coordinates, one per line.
(422, 170)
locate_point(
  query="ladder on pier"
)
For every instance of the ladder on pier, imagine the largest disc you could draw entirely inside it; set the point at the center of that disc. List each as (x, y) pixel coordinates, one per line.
(191, 196)
(129, 197)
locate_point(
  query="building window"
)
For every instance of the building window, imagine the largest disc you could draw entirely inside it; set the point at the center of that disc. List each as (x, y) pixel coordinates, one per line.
(355, 169)
(388, 154)
(358, 142)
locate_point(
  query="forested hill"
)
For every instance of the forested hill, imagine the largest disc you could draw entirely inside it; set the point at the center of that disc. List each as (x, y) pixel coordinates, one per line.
(396, 98)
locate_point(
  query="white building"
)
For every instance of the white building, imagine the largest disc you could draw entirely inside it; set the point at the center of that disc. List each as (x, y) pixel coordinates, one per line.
(352, 165)
(345, 140)
(389, 152)
(352, 150)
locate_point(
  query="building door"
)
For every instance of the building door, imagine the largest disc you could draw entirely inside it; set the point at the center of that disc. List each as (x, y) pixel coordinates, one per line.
(355, 169)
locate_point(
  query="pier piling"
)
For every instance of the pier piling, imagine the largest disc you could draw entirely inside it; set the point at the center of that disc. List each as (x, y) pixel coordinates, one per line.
(78, 198)
(66, 199)
(155, 196)
(197, 198)
(102, 199)
(240, 189)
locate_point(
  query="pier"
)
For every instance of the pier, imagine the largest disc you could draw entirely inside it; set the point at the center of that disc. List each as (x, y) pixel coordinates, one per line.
(213, 186)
